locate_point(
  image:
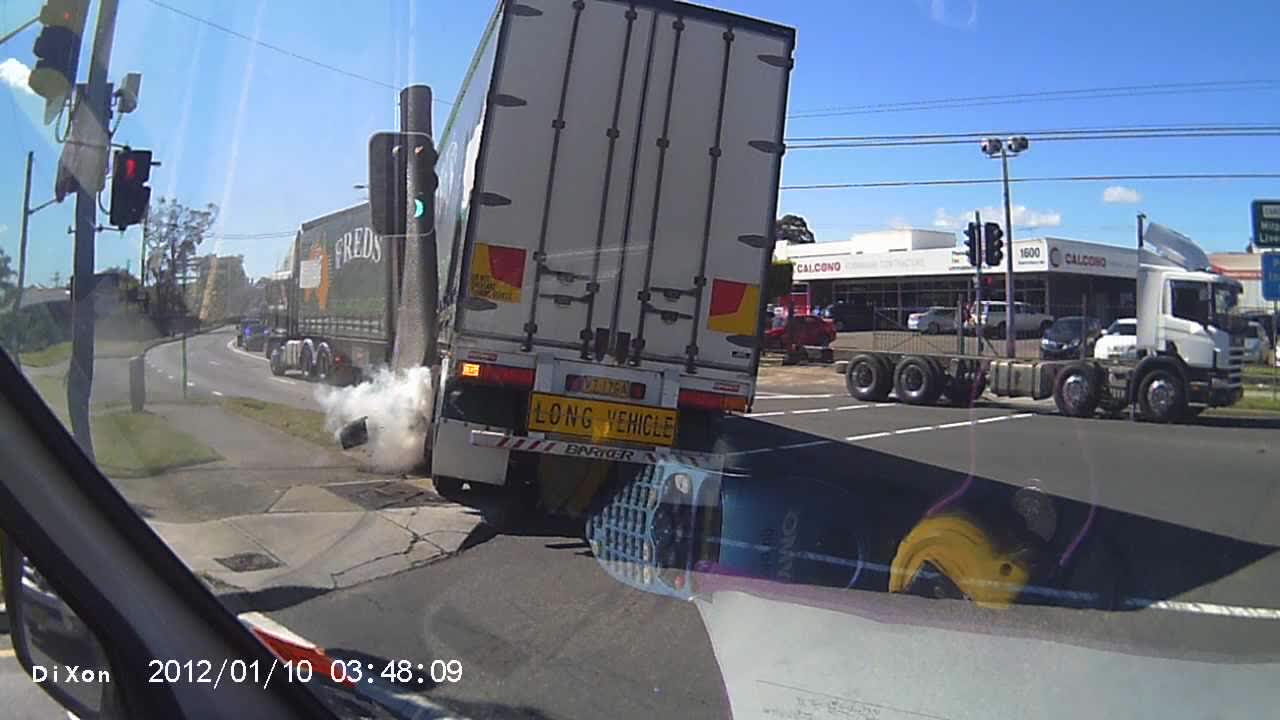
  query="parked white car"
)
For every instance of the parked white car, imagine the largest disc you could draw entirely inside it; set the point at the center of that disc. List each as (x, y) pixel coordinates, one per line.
(1255, 342)
(1118, 340)
(933, 321)
(1027, 319)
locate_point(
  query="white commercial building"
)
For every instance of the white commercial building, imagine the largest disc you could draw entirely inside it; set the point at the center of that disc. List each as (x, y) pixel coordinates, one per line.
(898, 271)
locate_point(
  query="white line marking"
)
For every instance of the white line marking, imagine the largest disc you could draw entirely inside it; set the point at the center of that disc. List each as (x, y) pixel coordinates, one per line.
(169, 376)
(962, 423)
(997, 418)
(765, 414)
(852, 407)
(282, 380)
(1198, 608)
(907, 431)
(780, 448)
(765, 396)
(190, 384)
(214, 362)
(868, 436)
(886, 404)
(810, 412)
(1023, 415)
(215, 392)
(231, 345)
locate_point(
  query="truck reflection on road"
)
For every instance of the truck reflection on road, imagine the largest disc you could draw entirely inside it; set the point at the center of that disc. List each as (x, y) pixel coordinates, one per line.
(929, 532)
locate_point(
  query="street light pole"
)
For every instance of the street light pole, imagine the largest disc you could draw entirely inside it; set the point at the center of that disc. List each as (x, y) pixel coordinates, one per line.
(1010, 345)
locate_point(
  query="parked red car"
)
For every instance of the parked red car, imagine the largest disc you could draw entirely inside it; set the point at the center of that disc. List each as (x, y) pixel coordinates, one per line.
(804, 330)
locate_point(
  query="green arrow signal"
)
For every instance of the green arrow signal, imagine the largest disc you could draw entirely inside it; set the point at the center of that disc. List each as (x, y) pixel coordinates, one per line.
(418, 207)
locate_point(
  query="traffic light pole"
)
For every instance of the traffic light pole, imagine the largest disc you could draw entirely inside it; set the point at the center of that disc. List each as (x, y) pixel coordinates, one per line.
(1010, 331)
(80, 376)
(979, 329)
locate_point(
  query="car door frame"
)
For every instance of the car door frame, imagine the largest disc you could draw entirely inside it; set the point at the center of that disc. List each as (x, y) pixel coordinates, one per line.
(139, 599)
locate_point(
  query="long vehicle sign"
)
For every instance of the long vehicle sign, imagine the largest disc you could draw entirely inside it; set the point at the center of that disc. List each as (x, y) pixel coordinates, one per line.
(601, 420)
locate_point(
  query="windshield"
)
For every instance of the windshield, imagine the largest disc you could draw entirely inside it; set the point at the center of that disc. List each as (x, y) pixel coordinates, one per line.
(628, 359)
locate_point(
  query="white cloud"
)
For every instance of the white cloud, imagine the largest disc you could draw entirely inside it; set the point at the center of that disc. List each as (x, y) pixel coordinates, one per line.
(962, 14)
(14, 74)
(3, 228)
(1023, 216)
(1121, 194)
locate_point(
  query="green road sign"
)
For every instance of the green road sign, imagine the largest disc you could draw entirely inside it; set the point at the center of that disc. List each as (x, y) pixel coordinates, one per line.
(1266, 223)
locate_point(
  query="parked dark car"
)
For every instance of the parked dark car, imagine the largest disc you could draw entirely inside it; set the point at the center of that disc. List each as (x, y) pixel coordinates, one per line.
(1070, 337)
(252, 335)
(806, 330)
(847, 318)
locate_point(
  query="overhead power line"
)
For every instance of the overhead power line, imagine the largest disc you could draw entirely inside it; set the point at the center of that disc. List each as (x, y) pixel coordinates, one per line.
(1184, 88)
(1187, 127)
(1273, 131)
(1049, 179)
(278, 49)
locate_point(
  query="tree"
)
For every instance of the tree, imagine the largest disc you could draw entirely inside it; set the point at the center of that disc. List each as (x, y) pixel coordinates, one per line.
(793, 229)
(172, 232)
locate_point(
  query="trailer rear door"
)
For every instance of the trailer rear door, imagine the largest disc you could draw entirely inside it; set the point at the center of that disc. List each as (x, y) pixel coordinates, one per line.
(627, 182)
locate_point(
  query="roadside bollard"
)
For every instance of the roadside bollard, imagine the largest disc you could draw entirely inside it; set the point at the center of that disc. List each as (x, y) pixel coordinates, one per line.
(137, 383)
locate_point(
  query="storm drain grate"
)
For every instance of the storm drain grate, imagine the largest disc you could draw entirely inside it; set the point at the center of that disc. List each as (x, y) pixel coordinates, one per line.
(381, 495)
(248, 562)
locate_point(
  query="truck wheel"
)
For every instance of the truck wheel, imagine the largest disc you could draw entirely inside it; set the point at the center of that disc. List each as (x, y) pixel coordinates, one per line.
(1161, 397)
(448, 488)
(277, 362)
(964, 393)
(867, 378)
(1077, 392)
(324, 364)
(917, 381)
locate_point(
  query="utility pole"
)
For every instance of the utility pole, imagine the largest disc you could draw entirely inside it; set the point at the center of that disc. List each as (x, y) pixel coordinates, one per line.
(80, 376)
(1011, 332)
(415, 342)
(22, 261)
(979, 326)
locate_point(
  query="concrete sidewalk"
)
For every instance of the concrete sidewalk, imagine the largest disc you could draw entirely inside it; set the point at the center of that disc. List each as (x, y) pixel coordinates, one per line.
(313, 538)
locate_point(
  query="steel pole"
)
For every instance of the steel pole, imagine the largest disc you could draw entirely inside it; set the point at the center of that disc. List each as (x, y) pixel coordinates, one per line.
(1010, 332)
(22, 263)
(80, 375)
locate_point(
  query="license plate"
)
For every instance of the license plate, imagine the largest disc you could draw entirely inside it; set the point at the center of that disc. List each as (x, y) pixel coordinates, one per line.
(601, 420)
(592, 385)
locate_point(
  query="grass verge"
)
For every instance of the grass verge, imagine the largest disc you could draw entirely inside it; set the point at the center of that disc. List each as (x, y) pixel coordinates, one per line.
(1257, 403)
(303, 424)
(51, 355)
(128, 444)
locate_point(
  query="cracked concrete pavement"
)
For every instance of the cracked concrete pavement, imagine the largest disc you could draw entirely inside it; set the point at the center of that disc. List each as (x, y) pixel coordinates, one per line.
(306, 541)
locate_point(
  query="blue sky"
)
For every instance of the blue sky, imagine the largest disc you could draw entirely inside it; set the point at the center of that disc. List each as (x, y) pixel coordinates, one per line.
(273, 140)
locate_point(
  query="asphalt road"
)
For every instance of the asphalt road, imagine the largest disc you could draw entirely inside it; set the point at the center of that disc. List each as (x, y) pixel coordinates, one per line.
(1161, 564)
(215, 367)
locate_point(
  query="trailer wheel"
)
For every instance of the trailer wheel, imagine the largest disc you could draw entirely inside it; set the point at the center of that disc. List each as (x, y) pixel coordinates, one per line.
(277, 361)
(448, 488)
(917, 381)
(1161, 397)
(964, 393)
(1077, 391)
(324, 364)
(867, 378)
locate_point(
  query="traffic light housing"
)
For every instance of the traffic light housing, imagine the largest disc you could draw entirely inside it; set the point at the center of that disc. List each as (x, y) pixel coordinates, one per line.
(130, 196)
(57, 50)
(389, 153)
(993, 244)
(972, 242)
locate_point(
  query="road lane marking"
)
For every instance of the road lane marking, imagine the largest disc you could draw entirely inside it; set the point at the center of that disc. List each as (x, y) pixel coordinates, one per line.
(781, 448)
(868, 436)
(853, 407)
(231, 345)
(962, 423)
(283, 380)
(169, 376)
(214, 362)
(997, 418)
(1023, 415)
(769, 396)
(886, 404)
(190, 384)
(908, 431)
(766, 414)
(811, 411)
(215, 392)
(1199, 608)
